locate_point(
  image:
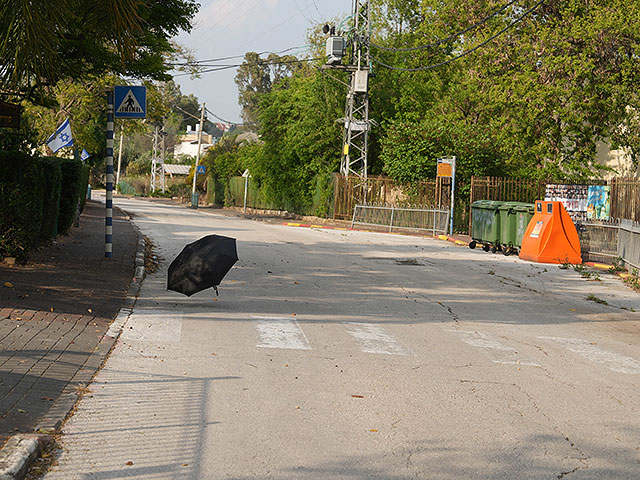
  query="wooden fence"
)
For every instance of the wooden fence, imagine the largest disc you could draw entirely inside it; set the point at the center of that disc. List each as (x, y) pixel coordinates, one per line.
(624, 195)
(625, 198)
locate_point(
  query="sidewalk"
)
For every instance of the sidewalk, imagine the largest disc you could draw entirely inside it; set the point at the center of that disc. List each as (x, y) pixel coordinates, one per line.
(54, 316)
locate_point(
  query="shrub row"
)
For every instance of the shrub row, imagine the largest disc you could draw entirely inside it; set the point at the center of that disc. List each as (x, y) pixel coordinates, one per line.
(39, 198)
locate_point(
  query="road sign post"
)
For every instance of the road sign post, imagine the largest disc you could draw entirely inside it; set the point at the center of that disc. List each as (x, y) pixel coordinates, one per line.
(122, 102)
(108, 237)
(447, 168)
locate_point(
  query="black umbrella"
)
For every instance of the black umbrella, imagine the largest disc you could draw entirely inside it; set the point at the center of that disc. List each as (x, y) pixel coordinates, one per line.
(202, 264)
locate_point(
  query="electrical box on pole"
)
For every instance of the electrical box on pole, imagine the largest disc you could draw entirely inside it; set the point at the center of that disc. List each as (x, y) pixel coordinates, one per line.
(335, 50)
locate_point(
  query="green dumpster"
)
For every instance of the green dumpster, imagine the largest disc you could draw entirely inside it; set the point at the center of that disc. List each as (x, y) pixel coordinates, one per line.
(514, 218)
(524, 214)
(485, 224)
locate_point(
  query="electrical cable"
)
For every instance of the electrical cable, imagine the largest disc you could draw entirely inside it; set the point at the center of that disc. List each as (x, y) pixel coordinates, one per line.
(227, 67)
(450, 37)
(421, 69)
(220, 118)
(197, 62)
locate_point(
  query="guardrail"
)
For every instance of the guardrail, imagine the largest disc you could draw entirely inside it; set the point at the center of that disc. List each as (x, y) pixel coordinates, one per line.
(431, 220)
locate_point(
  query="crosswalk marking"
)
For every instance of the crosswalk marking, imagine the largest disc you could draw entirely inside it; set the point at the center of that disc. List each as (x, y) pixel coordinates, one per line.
(153, 326)
(497, 352)
(374, 339)
(611, 360)
(280, 332)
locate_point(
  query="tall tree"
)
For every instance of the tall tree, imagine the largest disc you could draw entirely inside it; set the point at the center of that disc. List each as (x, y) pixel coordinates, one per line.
(44, 42)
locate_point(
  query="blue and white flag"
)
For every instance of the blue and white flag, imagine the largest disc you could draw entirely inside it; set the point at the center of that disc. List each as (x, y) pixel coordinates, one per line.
(61, 137)
(84, 155)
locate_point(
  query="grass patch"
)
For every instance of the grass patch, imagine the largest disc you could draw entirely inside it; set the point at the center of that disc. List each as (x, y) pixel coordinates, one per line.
(592, 298)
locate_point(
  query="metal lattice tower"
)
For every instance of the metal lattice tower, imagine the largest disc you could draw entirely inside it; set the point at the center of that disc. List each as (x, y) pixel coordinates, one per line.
(356, 119)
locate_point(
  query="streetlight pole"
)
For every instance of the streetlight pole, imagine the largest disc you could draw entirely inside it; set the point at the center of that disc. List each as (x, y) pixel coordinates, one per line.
(194, 195)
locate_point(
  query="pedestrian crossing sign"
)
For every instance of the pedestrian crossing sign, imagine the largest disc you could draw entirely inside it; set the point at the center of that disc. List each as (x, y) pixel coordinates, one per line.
(130, 102)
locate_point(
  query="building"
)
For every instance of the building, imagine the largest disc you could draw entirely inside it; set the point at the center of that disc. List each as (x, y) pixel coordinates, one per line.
(188, 143)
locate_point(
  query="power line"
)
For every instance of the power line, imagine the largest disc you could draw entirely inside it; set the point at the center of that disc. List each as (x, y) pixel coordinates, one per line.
(220, 118)
(272, 29)
(196, 62)
(421, 69)
(450, 37)
(227, 67)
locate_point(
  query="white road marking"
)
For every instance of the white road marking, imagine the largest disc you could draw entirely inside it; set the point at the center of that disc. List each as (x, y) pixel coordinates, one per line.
(153, 326)
(374, 339)
(611, 360)
(281, 332)
(496, 351)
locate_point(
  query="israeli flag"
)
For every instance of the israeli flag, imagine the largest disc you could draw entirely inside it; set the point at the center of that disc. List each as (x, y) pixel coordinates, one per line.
(84, 155)
(61, 137)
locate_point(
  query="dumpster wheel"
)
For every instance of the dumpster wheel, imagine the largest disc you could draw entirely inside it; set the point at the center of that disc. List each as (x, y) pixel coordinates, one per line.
(506, 251)
(472, 244)
(494, 249)
(486, 247)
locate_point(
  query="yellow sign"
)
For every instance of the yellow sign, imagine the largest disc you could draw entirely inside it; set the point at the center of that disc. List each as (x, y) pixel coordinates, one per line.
(444, 169)
(346, 150)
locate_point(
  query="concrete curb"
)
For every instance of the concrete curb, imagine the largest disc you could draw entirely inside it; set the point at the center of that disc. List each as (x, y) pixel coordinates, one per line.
(18, 454)
(328, 227)
(21, 450)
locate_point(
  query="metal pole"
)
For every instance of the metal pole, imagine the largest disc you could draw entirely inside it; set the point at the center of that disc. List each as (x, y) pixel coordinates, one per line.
(391, 223)
(246, 182)
(194, 196)
(119, 159)
(108, 247)
(453, 189)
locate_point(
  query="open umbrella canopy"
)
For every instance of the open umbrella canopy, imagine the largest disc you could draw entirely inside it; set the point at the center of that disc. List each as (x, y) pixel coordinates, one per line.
(202, 264)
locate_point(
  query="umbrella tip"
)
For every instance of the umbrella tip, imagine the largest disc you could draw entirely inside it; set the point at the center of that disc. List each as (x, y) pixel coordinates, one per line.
(216, 289)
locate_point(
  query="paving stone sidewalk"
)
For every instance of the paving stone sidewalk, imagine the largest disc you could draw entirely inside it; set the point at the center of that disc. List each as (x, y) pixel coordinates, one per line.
(55, 313)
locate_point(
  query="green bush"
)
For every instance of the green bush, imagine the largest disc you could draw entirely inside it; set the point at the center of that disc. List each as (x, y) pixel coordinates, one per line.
(22, 190)
(84, 185)
(51, 197)
(72, 174)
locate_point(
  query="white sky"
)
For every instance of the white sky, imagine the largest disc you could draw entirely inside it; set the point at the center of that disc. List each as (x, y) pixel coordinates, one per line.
(224, 28)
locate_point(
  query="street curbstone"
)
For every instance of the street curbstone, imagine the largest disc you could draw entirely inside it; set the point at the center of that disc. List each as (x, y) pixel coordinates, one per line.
(18, 454)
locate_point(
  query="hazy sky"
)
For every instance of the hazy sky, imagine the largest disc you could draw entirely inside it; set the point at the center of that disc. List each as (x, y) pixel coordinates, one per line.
(223, 28)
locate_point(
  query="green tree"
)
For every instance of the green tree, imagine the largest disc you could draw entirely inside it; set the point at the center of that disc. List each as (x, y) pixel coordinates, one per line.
(45, 42)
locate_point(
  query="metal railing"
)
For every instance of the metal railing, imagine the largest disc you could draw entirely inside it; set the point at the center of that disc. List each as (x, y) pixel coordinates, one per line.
(605, 241)
(598, 240)
(431, 220)
(629, 243)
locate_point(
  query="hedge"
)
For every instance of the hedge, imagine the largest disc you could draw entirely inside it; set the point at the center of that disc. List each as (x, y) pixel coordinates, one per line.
(39, 197)
(72, 174)
(22, 190)
(51, 197)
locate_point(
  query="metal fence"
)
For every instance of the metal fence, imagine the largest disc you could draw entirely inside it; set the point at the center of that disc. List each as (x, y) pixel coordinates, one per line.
(606, 241)
(598, 240)
(352, 191)
(431, 220)
(629, 243)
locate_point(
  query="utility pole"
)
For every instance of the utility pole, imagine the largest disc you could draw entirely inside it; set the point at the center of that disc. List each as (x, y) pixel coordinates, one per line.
(355, 139)
(194, 195)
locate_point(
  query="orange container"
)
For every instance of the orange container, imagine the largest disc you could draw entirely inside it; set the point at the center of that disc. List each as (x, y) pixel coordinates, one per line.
(551, 236)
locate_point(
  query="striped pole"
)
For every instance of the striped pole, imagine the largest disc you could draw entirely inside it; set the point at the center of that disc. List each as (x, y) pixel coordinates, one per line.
(108, 246)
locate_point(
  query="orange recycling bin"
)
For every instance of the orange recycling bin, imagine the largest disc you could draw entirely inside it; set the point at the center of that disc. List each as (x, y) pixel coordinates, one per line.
(551, 236)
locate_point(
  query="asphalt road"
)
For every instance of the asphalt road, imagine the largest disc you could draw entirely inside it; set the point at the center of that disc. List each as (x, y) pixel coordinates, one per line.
(352, 355)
